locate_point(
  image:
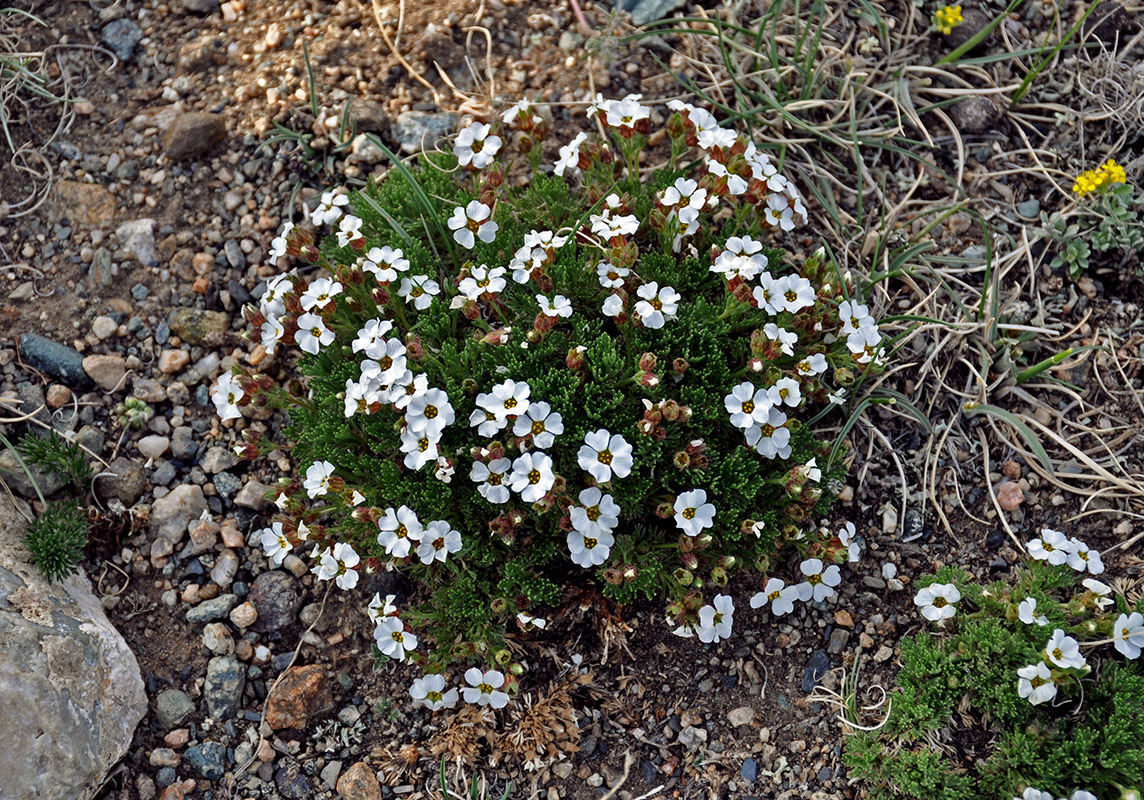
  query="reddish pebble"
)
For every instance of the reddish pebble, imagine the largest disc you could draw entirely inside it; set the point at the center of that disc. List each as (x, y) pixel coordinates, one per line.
(177, 737)
(200, 286)
(171, 361)
(1010, 496)
(1012, 469)
(58, 395)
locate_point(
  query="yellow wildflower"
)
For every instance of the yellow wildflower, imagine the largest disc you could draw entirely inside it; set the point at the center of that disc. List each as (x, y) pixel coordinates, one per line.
(1095, 180)
(946, 18)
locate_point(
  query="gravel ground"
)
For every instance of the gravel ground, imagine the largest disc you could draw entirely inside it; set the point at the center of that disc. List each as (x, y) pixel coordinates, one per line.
(135, 268)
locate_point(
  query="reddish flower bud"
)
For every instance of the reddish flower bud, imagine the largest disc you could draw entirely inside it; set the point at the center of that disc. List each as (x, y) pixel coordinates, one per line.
(413, 347)
(681, 460)
(649, 380)
(664, 511)
(679, 366)
(648, 362)
(470, 310)
(575, 357)
(671, 410)
(690, 561)
(379, 295)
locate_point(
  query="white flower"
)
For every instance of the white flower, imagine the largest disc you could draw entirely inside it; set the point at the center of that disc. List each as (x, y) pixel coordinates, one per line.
(1052, 546)
(937, 601)
(386, 362)
(491, 477)
(1081, 794)
(786, 339)
(1081, 558)
(444, 471)
(419, 448)
(349, 230)
(837, 397)
(527, 260)
(778, 594)
(560, 306)
(278, 243)
(346, 559)
(397, 530)
(486, 422)
(526, 621)
(1026, 610)
(405, 387)
(846, 538)
(682, 223)
(1064, 651)
(384, 263)
(603, 454)
(312, 334)
(1102, 591)
(656, 304)
(329, 208)
(475, 146)
(272, 332)
(865, 343)
(317, 480)
(429, 412)
(483, 688)
(392, 638)
(360, 395)
(370, 336)
(275, 543)
(546, 240)
(589, 550)
(627, 112)
(747, 405)
(430, 692)
(735, 183)
(611, 276)
(785, 390)
(715, 620)
(854, 316)
(779, 212)
(319, 293)
(820, 581)
(710, 138)
(812, 365)
(379, 609)
(693, 513)
(532, 476)
(794, 293)
(684, 192)
(597, 514)
(507, 399)
(570, 155)
(516, 111)
(811, 471)
(418, 290)
(226, 395)
(471, 223)
(771, 438)
(1035, 682)
(1128, 634)
(437, 541)
(613, 305)
(483, 280)
(541, 423)
(610, 226)
(741, 258)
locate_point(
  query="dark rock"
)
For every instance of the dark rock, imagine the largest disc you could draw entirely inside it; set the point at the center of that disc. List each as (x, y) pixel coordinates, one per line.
(994, 539)
(199, 6)
(121, 36)
(234, 255)
(195, 325)
(12, 472)
(292, 783)
(369, 116)
(816, 668)
(59, 361)
(227, 484)
(222, 689)
(208, 759)
(192, 134)
(1110, 23)
(750, 770)
(276, 597)
(973, 21)
(126, 485)
(839, 637)
(975, 114)
(173, 708)
(238, 292)
(165, 777)
(649, 772)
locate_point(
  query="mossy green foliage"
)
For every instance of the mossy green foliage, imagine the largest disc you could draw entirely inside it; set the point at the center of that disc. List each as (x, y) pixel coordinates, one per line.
(56, 540)
(528, 567)
(1091, 737)
(55, 454)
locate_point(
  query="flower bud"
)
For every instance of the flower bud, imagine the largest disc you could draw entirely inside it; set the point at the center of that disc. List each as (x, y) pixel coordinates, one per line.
(675, 127)
(649, 380)
(664, 511)
(648, 362)
(499, 605)
(613, 576)
(672, 410)
(690, 561)
(683, 577)
(413, 347)
(379, 295)
(719, 576)
(679, 366)
(502, 657)
(575, 357)
(844, 376)
(681, 460)
(703, 542)
(726, 562)
(470, 310)
(516, 668)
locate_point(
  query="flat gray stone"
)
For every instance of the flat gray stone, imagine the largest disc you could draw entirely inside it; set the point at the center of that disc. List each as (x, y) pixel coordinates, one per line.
(173, 708)
(70, 689)
(63, 363)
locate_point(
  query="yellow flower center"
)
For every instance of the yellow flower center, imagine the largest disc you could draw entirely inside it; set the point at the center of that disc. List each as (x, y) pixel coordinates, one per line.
(592, 513)
(401, 532)
(439, 543)
(510, 403)
(494, 479)
(767, 430)
(604, 457)
(1037, 681)
(774, 595)
(538, 427)
(688, 513)
(423, 444)
(385, 362)
(814, 580)
(398, 636)
(1057, 654)
(534, 477)
(748, 406)
(590, 543)
(430, 412)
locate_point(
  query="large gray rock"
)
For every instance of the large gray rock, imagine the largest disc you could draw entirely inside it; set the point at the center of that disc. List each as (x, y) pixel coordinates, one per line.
(419, 130)
(171, 513)
(70, 690)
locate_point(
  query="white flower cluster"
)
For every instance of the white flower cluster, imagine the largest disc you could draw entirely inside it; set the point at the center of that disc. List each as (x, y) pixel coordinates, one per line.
(1036, 794)
(1057, 549)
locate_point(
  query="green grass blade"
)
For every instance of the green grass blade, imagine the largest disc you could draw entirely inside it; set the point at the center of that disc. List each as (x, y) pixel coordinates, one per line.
(1024, 430)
